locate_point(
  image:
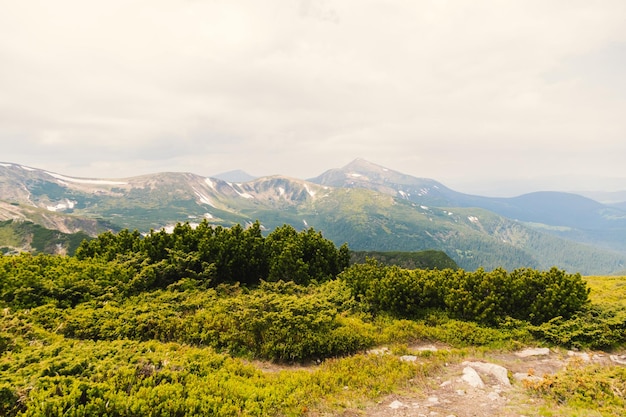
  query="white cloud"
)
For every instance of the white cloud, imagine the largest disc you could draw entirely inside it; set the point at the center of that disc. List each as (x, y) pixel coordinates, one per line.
(453, 90)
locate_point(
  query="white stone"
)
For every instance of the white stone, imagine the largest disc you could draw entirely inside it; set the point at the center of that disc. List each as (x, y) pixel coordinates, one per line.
(493, 396)
(582, 355)
(396, 404)
(533, 352)
(472, 378)
(621, 359)
(408, 358)
(429, 348)
(497, 371)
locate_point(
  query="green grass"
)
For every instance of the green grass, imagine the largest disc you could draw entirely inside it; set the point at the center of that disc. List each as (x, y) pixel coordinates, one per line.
(607, 290)
(8, 237)
(57, 376)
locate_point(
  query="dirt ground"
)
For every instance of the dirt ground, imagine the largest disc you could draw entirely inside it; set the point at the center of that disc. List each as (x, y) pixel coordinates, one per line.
(496, 389)
(453, 394)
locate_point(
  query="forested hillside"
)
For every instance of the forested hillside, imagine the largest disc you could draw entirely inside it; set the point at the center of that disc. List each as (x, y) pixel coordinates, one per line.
(166, 324)
(427, 259)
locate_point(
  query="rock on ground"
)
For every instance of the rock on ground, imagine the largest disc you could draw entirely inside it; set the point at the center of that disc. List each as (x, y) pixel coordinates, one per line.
(498, 372)
(472, 378)
(533, 352)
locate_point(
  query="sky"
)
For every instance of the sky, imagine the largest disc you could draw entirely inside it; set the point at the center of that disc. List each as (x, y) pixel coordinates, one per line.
(486, 96)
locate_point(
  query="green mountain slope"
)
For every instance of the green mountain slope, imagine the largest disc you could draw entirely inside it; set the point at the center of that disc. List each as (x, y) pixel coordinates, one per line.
(427, 259)
(378, 219)
(566, 215)
(19, 236)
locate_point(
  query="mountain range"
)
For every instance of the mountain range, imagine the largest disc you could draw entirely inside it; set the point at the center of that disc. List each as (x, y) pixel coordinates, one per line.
(370, 207)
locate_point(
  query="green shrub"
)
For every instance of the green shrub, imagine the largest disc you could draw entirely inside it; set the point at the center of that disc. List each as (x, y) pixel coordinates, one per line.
(10, 402)
(485, 297)
(221, 255)
(595, 328)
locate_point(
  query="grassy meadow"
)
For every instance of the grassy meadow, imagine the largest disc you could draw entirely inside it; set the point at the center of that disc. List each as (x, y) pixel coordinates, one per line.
(191, 324)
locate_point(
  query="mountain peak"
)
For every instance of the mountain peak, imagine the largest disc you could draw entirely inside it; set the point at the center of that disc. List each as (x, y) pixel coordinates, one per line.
(363, 165)
(364, 174)
(236, 175)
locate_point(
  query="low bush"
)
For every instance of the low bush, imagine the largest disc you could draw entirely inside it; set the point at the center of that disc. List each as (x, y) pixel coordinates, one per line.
(279, 321)
(127, 378)
(598, 327)
(593, 387)
(484, 297)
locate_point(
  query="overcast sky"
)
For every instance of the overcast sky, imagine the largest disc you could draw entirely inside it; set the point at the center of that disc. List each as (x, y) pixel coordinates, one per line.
(473, 93)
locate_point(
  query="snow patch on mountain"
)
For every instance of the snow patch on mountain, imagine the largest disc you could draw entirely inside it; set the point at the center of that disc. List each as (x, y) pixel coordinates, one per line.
(66, 205)
(82, 180)
(281, 191)
(236, 188)
(355, 175)
(169, 228)
(473, 219)
(203, 198)
(244, 195)
(210, 183)
(5, 165)
(308, 190)
(27, 168)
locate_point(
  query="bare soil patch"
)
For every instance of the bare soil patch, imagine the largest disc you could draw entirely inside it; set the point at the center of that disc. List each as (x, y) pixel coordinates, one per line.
(450, 395)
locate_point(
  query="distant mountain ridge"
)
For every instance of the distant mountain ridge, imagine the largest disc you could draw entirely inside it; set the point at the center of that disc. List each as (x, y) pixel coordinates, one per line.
(370, 207)
(563, 214)
(607, 197)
